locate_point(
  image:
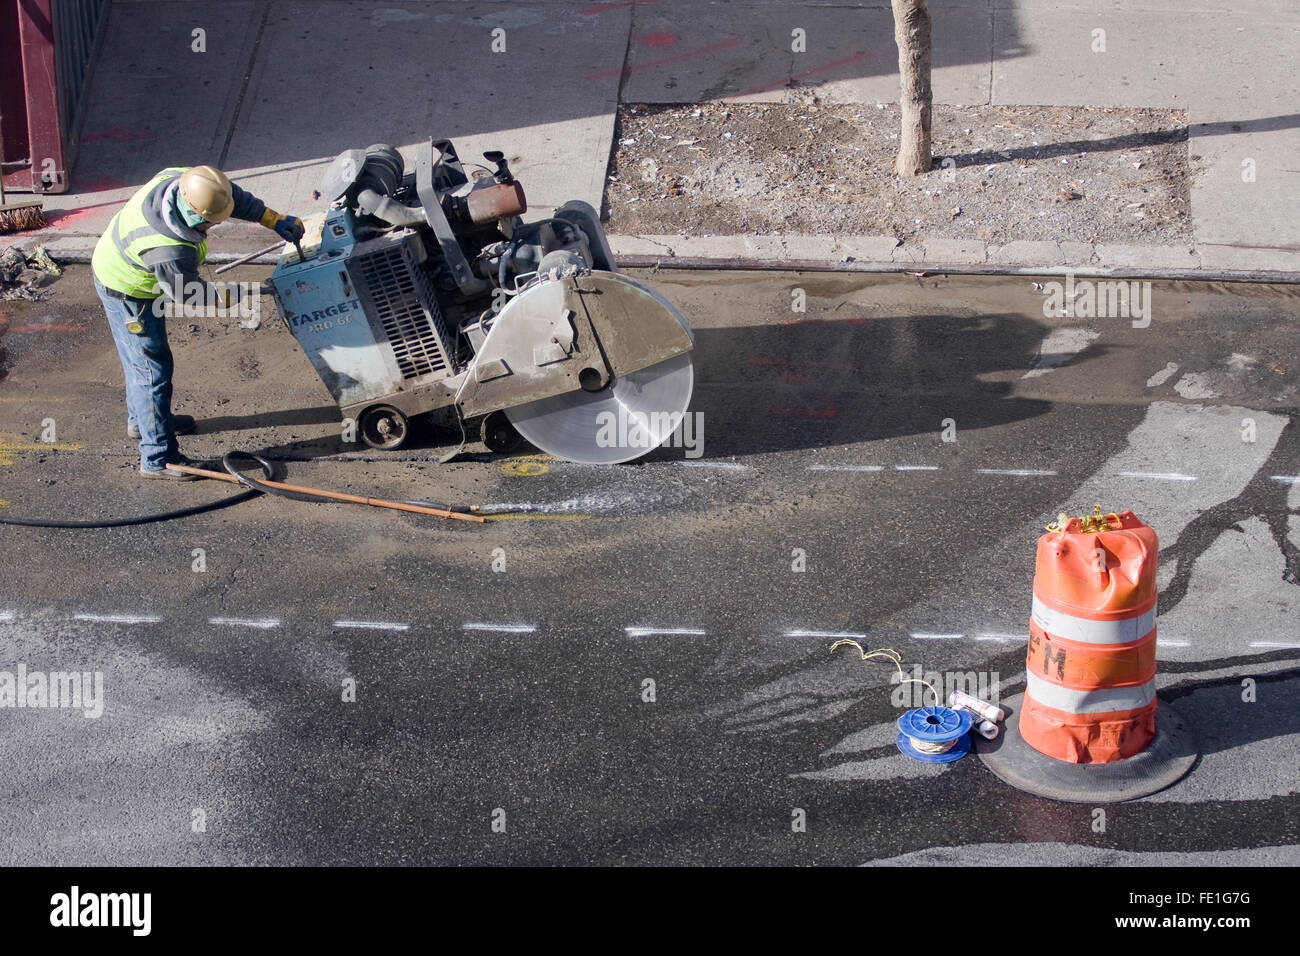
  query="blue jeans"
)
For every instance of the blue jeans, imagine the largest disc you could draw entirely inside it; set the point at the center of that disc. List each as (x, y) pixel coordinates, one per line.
(147, 364)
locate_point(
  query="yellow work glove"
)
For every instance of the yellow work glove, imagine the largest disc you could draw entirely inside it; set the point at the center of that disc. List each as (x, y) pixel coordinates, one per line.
(288, 228)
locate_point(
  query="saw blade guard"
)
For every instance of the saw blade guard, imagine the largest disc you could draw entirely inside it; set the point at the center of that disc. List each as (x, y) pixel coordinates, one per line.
(593, 367)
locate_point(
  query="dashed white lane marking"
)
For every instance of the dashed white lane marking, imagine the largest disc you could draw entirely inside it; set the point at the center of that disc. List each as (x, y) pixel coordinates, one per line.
(725, 465)
(1274, 644)
(1018, 472)
(838, 635)
(846, 467)
(119, 618)
(374, 625)
(263, 623)
(503, 628)
(1159, 475)
(916, 468)
(1289, 479)
(6, 616)
(671, 631)
(928, 636)
(999, 636)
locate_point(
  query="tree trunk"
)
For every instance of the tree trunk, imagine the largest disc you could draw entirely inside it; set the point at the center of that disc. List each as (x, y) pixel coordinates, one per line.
(912, 35)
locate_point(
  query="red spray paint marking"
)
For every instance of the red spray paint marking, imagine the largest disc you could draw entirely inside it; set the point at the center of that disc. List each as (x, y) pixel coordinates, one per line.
(802, 411)
(720, 45)
(795, 76)
(766, 361)
(793, 378)
(119, 134)
(66, 219)
(658, 39)
(103, 185)
(606, 7)
(122, 134)
(46, 328)
(852, 322)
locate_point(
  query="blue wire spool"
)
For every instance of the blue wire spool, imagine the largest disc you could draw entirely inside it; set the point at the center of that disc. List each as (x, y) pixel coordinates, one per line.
(933, 726)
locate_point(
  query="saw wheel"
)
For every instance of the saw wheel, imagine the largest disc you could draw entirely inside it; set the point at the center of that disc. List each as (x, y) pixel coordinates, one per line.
(631, 416)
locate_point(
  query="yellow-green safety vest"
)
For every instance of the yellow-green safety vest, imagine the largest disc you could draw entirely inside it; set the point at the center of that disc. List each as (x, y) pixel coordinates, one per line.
(116, 261)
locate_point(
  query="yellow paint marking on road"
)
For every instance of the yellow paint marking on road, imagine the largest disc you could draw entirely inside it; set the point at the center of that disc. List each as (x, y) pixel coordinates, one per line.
(525, 467)
(11, 444)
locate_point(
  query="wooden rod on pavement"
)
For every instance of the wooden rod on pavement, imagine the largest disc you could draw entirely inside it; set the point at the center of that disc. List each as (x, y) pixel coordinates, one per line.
(332, 495)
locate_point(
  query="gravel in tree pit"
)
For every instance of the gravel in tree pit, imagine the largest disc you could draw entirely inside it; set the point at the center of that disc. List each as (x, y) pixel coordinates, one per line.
(1086, 174)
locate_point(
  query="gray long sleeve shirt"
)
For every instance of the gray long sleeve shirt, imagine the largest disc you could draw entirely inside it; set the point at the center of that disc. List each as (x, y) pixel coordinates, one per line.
(177, 267)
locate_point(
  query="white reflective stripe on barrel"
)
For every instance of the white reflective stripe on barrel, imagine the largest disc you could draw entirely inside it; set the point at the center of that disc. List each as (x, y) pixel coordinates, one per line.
(1100, 701)
(1087, 631)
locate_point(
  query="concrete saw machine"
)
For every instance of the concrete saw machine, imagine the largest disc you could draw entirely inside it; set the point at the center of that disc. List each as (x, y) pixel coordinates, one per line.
(424, 293)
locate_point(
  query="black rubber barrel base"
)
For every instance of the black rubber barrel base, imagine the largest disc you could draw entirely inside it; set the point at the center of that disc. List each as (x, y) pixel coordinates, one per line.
(1166, 761)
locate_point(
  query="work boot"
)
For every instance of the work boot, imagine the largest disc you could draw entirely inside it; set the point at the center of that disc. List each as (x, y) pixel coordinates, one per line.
(181, 425)
(166, 473)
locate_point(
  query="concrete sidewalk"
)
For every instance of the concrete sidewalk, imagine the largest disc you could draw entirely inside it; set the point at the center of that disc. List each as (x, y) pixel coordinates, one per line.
(280, 88)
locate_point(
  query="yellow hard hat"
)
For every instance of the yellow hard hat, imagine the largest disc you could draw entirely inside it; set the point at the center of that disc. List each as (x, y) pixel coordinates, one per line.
(207, 191)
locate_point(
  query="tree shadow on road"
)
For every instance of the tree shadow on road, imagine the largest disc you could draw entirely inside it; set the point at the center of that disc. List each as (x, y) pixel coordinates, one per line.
(815, 383)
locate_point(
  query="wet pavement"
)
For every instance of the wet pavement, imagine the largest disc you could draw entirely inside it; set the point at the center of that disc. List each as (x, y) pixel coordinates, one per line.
(228, 641)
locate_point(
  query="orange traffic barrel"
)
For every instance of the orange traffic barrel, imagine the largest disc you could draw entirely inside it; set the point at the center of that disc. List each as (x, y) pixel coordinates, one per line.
(1091, 667)
(1087, 725)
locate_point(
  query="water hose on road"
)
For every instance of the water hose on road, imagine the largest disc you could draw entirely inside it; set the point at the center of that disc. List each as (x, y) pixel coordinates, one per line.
(256, 488)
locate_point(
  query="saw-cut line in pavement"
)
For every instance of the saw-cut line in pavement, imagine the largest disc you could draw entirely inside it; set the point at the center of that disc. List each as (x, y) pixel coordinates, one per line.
(265, 623)
(1018, 472)
(503, 628)
(668, 631)
(118, 618)
(374, 625)
(836, 635)
(1158, 475)
(846, 467)
(724, 465)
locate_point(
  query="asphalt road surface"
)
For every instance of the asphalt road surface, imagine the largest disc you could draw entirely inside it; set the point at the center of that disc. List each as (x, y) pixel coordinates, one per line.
(506, 715)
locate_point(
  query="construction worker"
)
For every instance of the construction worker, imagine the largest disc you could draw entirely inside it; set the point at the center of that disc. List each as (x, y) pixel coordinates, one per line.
(151, 251)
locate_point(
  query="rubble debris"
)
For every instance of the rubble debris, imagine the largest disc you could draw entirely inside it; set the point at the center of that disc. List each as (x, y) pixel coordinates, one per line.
(24, 276)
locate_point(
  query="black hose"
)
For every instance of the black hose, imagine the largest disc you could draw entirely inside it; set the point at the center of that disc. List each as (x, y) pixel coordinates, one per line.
(161, 515)
(255, 488)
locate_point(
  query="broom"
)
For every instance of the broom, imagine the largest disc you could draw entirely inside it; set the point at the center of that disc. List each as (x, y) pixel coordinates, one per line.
(16, 216)
(20, 215)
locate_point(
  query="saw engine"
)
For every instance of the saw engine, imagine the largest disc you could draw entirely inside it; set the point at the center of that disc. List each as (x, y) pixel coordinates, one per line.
(424, 293)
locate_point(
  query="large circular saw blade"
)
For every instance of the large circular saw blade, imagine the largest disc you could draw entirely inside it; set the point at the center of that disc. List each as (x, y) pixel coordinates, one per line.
(626, 419)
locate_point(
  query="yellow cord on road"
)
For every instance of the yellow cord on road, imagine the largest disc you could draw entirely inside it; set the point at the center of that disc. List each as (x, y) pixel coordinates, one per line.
(891, 655)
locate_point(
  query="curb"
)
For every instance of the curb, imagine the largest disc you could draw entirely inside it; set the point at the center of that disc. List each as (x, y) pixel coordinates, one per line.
(886, 255)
